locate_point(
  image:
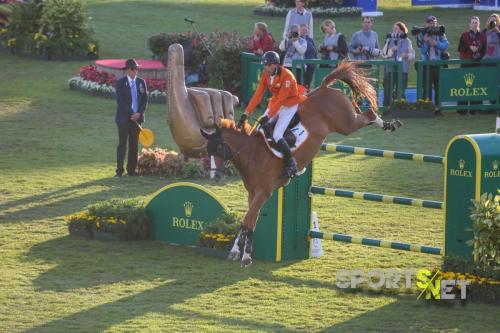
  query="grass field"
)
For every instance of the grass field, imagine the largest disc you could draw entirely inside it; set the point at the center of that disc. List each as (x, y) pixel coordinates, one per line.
(57, 156)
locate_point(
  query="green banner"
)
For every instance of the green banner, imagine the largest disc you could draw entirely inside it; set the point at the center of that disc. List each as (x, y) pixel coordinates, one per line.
(468, 84)
(181, 211)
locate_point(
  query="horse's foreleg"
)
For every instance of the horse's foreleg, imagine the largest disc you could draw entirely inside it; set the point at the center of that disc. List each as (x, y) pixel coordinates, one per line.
(239, 241)
(249, 223)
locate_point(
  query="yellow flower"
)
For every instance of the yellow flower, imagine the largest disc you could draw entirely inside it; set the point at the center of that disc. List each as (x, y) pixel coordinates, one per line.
(11, 42)
(2, 31)
(92, 48)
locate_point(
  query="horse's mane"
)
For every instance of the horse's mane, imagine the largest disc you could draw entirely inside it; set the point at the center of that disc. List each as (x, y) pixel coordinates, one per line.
(229, 124)
(358, 80)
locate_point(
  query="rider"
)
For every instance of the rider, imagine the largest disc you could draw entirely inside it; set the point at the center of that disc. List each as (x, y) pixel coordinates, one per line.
(282, 106)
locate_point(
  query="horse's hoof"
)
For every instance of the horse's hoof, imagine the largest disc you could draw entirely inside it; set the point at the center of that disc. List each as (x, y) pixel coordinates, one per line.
(391, 126)
(246, 262)
(233, 255)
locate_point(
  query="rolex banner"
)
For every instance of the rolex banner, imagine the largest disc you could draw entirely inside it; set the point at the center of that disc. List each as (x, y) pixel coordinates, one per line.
(181, 211)
(468, 84)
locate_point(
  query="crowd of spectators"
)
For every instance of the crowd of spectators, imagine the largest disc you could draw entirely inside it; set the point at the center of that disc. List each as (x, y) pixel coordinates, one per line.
(297, 43)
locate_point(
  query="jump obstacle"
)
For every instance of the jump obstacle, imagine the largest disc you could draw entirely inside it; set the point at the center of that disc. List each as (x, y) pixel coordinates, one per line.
(471, 167)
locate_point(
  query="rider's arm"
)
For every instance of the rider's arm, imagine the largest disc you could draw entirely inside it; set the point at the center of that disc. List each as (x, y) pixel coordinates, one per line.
(257, 97)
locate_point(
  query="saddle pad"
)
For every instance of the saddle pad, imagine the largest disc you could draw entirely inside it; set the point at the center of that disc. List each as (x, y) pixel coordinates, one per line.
(300, 133)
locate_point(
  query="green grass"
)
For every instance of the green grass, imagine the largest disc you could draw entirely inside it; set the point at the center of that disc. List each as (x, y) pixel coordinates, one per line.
(57, 155)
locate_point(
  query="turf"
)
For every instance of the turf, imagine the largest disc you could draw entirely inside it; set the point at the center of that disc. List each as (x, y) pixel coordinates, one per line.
(57, 155)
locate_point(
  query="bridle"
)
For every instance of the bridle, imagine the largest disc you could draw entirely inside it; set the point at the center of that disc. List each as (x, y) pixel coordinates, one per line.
(223, 151)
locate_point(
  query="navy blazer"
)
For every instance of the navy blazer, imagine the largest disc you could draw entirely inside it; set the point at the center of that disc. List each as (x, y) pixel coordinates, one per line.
(124, 99)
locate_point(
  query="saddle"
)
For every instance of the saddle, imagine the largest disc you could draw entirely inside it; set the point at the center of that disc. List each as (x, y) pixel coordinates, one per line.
(289, 136)
(295, 135)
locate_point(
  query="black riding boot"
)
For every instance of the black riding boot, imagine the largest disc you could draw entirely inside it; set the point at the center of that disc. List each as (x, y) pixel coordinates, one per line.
(290, 162)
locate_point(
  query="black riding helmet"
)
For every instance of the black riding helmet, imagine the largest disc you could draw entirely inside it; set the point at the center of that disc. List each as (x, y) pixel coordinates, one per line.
(270, 58)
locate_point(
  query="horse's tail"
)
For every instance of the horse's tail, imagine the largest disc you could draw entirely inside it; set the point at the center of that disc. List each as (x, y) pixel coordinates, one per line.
(357, 78)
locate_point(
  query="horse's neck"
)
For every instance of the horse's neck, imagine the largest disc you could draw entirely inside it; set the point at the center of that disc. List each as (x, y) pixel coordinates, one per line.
(238, 144)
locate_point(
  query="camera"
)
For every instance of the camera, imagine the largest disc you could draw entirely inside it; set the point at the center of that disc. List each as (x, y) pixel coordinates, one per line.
(399, 35)
(435, 31)
(295, 34)
(371, 52)
(492, 24)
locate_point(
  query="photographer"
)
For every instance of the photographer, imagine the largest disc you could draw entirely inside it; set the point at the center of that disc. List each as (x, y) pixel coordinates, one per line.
(433, 46)
(397, 48)
(294, 47)
(472, 46)
(334, 45)
(364, 43)
(262, 40)
(492, 35)
(299, 15)
(311, 53)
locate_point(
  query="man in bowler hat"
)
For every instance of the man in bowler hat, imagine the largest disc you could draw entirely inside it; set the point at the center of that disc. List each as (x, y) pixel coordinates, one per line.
(132, 99)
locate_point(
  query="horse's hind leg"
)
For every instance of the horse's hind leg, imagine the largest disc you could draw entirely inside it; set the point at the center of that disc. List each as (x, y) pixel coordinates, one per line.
(388, 126)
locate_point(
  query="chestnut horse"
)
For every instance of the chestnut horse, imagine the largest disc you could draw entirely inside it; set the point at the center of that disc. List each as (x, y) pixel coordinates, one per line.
(325, 111)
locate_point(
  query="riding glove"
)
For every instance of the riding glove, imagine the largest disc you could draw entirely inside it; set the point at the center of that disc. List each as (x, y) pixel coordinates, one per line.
(242, 120)
(263, 120)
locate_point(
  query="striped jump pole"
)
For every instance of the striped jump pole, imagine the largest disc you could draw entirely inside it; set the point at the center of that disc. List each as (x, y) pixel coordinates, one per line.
(398, 155)
(375, 242)
(376, 197)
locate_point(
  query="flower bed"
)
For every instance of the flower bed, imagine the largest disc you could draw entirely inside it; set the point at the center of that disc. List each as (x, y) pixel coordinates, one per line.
(217, 239)
(115, 219)
(165, 163)
(420, 109)
(101, 83)
(281, 11)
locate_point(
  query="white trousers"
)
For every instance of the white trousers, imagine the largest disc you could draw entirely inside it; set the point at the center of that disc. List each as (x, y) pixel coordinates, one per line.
(282, 120)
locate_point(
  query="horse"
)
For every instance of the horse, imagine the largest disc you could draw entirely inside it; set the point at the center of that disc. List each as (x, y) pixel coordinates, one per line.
(326, 110)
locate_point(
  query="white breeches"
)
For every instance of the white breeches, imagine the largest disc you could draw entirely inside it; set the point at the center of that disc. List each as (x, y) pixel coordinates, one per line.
(282, 120)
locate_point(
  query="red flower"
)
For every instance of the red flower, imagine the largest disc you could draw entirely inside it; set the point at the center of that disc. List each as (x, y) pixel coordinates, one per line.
(90, 73)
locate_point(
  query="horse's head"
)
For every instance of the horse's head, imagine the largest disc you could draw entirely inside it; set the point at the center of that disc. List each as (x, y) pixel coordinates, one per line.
(217, 148)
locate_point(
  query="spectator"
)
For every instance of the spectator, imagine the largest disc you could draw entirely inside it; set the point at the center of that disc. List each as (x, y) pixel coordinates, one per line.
(262, 40)
(311, 53)
(293, 47)
(364, 43)
(492, 35)
(472, 46)
(397, 47)
(298, 16)
(432, 47)
(334, 45)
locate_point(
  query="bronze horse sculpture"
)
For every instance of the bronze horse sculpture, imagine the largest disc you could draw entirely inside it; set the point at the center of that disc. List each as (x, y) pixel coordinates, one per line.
(326, 110)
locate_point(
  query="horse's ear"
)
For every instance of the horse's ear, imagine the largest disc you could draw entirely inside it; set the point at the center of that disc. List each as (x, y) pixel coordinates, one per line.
(204, 134)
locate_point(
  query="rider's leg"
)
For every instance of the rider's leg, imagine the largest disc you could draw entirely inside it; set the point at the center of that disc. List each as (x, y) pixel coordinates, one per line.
(284, 117)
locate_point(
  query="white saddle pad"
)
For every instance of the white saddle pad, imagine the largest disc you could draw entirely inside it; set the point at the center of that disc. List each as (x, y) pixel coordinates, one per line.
(300, 133)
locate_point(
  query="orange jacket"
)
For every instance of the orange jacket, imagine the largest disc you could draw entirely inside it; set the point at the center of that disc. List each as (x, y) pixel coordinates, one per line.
(283, 88)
